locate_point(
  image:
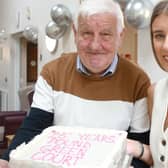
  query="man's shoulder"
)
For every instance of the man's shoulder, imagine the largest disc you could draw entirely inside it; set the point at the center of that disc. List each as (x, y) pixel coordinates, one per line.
(130, 67)
(63, 58)
(59, 68)
(62, 61)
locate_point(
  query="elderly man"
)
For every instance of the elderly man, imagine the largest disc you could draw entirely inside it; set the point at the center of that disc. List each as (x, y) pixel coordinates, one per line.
(93, 87)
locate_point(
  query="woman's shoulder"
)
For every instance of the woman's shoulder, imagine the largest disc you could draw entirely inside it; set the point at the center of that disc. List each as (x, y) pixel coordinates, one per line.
(150, 95)
(151, 89)
(160, 85)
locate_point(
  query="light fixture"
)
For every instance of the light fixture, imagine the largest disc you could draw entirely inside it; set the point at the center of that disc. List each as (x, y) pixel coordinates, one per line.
(31, 33)
(3, 35)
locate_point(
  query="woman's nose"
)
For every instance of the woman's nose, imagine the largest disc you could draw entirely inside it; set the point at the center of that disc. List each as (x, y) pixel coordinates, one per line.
(165, 44)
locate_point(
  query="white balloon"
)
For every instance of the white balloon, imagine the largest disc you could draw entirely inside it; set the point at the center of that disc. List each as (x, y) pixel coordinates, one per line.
(138, 12)
(61, 15)
(51, 44)
(54, 31)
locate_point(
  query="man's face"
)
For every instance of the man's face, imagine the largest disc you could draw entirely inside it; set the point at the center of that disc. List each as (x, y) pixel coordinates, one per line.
(97, 40)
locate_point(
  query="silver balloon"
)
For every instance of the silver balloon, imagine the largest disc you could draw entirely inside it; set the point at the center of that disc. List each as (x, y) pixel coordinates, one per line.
(61, 15)
(31, 33)
(137, 13)
(122, 3)
(54, 31)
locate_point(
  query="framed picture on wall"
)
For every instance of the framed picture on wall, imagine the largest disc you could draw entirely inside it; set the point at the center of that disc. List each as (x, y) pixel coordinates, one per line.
(81, 1)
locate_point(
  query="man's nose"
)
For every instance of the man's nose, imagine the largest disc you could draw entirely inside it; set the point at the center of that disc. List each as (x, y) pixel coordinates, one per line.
(95, 42)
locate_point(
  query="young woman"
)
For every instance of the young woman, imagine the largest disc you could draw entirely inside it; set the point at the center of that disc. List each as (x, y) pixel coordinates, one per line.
(157, 95)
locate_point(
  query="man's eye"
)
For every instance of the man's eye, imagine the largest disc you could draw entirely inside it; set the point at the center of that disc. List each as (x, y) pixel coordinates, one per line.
(106, 34)
(86, 33)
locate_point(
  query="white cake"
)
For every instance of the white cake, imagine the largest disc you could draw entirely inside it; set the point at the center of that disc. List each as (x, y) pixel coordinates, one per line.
(72, 147)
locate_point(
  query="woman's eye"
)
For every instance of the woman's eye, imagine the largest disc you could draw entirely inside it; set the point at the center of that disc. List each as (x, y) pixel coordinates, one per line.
(159, 36)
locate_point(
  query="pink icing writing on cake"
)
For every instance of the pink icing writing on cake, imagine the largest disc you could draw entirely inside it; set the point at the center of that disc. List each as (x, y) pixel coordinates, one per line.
(66, 148)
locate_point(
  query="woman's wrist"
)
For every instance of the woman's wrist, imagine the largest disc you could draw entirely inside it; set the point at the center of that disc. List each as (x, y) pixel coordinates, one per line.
(141, 147)
(139, 151)
(135, 148)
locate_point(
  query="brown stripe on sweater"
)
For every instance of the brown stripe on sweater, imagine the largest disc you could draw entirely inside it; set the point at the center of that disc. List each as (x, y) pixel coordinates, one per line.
(128, 83)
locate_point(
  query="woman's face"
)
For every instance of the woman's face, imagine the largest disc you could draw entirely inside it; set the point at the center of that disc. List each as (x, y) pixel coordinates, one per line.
(160, 40)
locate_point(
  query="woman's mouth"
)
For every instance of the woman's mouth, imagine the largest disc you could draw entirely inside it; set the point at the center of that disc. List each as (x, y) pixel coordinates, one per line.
(165, 57)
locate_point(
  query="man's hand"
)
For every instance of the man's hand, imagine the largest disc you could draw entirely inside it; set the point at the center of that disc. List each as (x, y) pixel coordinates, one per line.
(4, 164)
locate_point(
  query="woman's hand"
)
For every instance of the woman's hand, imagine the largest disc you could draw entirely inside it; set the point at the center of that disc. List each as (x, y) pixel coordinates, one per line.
(133, 147)
(4, 164)
(136, 149)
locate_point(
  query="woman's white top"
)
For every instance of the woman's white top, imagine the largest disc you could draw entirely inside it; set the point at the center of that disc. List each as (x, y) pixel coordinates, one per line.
(159, 135)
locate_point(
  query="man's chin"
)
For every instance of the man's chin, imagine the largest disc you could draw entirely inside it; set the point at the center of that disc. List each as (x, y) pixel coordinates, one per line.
(96, 70)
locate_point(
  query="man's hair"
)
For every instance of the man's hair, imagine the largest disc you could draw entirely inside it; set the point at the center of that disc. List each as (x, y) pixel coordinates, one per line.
(90, 7)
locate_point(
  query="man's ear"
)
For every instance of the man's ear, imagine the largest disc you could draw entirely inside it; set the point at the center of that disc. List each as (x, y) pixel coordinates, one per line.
(74, 31)
(74, 28)
(122, 35)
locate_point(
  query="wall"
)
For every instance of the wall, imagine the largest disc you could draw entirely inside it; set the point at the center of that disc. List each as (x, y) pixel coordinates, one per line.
(4, 64)
(145, 55)
(129, 44)
(146, 58)
(14, 16)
